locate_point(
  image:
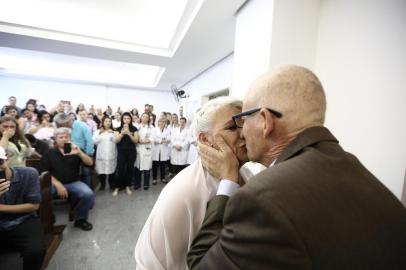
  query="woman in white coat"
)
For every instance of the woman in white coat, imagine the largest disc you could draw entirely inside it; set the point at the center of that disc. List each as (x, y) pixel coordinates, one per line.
(160, 151)
(143, 163)
(179, 146)
(192, 153)
(106, 154)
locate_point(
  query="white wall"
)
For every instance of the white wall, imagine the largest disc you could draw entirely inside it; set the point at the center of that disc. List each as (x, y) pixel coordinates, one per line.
(361, 61)
(50, 92)
(270, 33)
(217, 77)
(211, 80)
(294, 32)
(252, 48)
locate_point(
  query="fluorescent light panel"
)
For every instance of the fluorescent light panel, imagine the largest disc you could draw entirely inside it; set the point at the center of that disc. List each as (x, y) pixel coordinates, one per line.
(49, 65)
(150, 23)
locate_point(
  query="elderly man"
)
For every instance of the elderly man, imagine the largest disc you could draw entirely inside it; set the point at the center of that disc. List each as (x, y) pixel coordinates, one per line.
(63, 162)
(20, 227)
(180, 208)
(316, 207)
(81, 136)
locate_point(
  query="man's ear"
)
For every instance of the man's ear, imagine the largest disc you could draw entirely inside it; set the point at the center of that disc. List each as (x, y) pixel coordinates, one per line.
(268, 122)
(203, 139)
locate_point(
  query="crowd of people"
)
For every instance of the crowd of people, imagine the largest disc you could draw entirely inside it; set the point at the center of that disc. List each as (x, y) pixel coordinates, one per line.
(130, 145)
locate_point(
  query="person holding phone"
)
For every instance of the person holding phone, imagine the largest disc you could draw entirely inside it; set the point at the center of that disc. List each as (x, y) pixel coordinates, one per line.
(126, 138)
(20, 227)
(4, 184)
(63, 162)
(80, 136)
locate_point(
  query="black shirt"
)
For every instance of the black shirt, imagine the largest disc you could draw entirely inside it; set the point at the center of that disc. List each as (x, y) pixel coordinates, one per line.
(126, 142)
(40, 146)
(64, 168)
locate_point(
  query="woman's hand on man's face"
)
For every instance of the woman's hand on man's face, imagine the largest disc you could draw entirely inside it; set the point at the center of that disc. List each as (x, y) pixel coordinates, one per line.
(221, 163)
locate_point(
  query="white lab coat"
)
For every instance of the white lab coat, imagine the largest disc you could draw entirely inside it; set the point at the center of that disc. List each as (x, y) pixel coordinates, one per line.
(179, 137)
(106, 154)
(160, 151)
(192, 154)
(144, 151)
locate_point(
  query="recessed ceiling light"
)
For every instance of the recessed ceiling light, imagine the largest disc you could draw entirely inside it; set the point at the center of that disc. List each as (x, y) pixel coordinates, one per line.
(146, 26)
(55, 66)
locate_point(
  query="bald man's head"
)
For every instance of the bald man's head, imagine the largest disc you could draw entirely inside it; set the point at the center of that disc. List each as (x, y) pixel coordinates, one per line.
(292, 90)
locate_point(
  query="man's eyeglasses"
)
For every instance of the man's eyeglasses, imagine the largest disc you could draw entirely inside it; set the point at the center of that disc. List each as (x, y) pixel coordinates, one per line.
(238, 119)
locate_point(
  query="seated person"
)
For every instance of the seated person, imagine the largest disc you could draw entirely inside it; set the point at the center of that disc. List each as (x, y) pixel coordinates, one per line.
(11, 111)
(13, 141)
(44, 130)
(64, 167)
(20, 227)
(179, 211)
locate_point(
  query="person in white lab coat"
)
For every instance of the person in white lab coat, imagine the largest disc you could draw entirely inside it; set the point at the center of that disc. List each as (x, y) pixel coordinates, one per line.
(160, 150)
(116, 123)
(179, 146)
(143, 163)
(173, 123)
(106, 154)
(192, 154)
(180, 209)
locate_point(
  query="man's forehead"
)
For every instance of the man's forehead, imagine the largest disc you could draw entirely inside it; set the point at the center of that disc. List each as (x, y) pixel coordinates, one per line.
(248, 103)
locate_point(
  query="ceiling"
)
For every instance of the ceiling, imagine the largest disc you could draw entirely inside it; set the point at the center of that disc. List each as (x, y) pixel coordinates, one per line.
(148, 44)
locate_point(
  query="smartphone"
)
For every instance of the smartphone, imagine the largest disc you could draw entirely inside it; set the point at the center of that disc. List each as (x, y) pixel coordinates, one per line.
(2, 176)
(67, 148)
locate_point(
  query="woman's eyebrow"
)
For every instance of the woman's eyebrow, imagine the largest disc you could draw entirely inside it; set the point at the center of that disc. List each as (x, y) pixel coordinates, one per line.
(228, 123)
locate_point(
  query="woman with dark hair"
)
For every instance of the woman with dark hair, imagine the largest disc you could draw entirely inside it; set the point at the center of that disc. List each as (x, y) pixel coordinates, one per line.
(12, 111)
(144, 153)
(134, 111)
(31, 106)
(13, 141)
(126, 138)
(79, 108)
(106, 154)
(72, 116)
(109, 111)
(44, 130)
